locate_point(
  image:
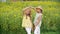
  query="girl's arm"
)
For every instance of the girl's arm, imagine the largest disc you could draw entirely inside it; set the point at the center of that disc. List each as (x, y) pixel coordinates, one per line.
(38, 20)
(34, 8)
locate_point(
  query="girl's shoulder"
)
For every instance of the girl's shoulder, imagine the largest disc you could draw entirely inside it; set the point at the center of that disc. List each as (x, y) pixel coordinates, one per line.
(39, 13)
(24, 16)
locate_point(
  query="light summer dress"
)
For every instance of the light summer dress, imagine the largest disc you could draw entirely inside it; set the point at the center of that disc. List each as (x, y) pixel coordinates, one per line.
(26, 22)
(37, 29)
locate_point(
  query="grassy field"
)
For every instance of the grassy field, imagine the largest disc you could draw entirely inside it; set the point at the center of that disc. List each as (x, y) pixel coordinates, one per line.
(11, 17)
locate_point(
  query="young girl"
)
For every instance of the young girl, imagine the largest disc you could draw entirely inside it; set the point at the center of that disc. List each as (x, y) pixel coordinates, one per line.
(26, 22)
(38, 19)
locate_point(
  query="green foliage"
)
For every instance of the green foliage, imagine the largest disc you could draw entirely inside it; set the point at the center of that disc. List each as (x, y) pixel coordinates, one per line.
(11, 16)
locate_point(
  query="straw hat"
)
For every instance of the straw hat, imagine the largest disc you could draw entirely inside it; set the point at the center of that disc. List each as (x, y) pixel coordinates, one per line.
(39, 7)
(26, 8)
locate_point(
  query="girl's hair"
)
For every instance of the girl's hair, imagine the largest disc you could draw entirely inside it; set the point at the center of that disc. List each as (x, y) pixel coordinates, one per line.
(41, 10)
(27, 14)
(25, 10)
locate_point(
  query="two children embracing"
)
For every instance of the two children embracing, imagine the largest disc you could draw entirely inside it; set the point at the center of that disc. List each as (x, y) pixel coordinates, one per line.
(27, 21)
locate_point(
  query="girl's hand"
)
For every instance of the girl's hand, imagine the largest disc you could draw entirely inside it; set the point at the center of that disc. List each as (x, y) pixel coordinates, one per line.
(33, 8)
(37, 22)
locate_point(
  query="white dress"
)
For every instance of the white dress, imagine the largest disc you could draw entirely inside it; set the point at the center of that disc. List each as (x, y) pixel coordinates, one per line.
(37, 29)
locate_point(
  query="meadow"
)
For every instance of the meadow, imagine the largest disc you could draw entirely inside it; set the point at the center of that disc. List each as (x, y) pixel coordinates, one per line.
(11, 17)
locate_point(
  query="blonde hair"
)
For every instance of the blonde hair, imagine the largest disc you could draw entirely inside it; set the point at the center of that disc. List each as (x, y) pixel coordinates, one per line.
(25, 9)
(25, 13)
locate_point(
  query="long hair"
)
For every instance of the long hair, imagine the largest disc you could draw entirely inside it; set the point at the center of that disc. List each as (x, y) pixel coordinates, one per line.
(41, 10)
(27, 14)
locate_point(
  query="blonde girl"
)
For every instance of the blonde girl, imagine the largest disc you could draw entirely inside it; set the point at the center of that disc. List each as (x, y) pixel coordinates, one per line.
(26, 22)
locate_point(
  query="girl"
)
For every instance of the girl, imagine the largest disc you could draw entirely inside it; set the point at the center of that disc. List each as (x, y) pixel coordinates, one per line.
(38, 19)
(26, 22)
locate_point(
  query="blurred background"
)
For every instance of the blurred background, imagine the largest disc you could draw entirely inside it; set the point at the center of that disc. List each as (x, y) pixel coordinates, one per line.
(11, 16)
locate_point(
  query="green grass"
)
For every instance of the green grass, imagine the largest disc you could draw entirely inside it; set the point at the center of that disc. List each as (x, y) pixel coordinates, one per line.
(11, 17)
(50, 33)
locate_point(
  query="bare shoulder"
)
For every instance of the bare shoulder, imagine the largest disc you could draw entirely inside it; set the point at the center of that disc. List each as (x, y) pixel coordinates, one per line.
(41, 14)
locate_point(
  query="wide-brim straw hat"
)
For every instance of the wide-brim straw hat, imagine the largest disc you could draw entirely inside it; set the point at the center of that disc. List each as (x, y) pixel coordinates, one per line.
(39, 7)
(26, 8)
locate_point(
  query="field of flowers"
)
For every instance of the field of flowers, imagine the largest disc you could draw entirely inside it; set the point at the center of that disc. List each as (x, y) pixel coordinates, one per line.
(11, 17)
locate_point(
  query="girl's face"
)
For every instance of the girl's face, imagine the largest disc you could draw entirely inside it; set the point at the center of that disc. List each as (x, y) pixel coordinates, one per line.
(38, 10)
(27, 11)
